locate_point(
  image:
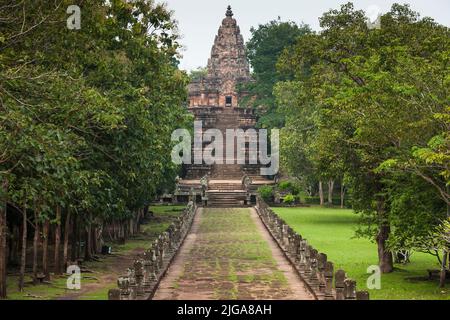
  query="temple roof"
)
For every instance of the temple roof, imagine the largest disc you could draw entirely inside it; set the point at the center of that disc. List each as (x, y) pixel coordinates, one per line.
(229, 12)
(228, 57)
(227, 67)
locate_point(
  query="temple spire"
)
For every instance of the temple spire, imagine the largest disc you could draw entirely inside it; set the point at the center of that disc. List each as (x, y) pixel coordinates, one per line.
(229, 12)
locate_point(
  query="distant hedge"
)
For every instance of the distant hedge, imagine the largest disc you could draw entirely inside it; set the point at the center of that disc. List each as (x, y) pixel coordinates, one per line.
(336, 201)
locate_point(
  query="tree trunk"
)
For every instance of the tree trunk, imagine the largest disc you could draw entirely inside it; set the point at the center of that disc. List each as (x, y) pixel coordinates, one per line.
(321, 193)
(58, 240)
(45, 249)
(67, 226)
(138, 220)
(385, 259)
(14, 245)
(74, 246)
(88, 242)
(35, 245)
(23, 256)
(443, 270)
(145, 211)
(342, 195)
(3, 230)
(131, 227)
(330, 191)
(94, 240)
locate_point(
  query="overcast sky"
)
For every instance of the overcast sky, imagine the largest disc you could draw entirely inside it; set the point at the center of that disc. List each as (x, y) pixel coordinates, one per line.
(199, 20)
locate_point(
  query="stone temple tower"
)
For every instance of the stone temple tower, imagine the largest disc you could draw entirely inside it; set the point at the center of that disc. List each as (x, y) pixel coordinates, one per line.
(227, 67)
(214, 100)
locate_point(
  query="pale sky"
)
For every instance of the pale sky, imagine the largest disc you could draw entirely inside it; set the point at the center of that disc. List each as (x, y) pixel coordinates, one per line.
(199, 20)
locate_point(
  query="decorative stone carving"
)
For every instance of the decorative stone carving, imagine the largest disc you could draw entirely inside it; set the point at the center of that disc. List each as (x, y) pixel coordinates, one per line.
(114, 294)
(312, 266)
(227, 66)
(362, 295)
(328, 280)
(349, 289)
(340, 277)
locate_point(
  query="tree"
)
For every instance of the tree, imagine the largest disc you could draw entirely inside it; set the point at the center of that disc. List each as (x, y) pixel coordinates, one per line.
(85, 116)
(374, 97)
(266, 44)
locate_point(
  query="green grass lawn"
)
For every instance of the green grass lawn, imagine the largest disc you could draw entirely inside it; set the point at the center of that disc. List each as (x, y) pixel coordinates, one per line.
(331, 231)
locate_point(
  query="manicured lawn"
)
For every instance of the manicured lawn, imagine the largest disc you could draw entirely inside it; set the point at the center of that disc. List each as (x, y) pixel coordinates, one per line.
(332, 231)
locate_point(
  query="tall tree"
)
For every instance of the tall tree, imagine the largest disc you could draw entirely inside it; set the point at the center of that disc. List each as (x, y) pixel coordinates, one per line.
(266, 44)
(377, 96)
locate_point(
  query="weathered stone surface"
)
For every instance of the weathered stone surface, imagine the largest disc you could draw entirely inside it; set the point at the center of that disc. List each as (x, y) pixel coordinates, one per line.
(227, 66)
(215, 101)
(312, 266)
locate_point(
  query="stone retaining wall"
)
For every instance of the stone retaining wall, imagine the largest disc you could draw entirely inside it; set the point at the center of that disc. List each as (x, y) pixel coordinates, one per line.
(311, 265)
(142, 279)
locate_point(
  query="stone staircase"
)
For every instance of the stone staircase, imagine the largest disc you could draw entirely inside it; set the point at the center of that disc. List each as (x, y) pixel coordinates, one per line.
(226, 198)
(225, 180)
(226, 193)
(229, 119)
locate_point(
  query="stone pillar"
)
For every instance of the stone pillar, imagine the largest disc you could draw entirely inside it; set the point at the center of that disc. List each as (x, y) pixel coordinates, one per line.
(328, 280)
(313, 278)
(307, 255)
(362, 295)
(339, 284)
(302, 256)
(114, 294)
(296, 247)
(155, 259)
(321, 262)
(349, 289)
(149, 275)
(160, 254)
(139, 275)
(133, 284)
(285, 235)
(124, 287)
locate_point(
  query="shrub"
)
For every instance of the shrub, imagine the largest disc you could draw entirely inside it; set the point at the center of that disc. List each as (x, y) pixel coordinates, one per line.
(284, 185)
(266, 193)
(288, 199)
(336, 201)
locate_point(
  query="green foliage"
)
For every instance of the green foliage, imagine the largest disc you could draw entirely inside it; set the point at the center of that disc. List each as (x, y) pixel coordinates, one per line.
(266, 44)
(371, 107)
(266, 193)
(336, 201)
(289, 186)
(198, 73)
(285, 185)
(86, 115)
(288, 199)
(332, 231)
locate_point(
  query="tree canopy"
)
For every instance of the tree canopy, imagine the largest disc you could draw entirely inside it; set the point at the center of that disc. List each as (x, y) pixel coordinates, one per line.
(372, 105)
(86, 115)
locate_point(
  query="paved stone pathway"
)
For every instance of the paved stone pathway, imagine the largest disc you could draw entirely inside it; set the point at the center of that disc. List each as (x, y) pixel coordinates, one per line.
(228, 254)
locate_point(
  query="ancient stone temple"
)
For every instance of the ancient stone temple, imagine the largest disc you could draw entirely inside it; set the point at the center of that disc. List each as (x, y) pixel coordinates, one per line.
(214, 99)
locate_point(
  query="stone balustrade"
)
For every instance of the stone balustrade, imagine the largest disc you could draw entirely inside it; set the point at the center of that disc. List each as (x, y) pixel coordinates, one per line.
(143, 277)
(311, 265)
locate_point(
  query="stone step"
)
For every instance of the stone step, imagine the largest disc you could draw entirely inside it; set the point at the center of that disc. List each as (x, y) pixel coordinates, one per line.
(226, 198)
(225, 187)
